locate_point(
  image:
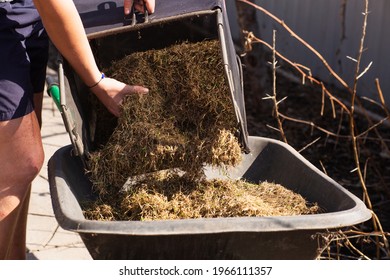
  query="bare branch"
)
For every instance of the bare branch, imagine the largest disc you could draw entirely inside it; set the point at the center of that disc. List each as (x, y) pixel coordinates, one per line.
(307, 45)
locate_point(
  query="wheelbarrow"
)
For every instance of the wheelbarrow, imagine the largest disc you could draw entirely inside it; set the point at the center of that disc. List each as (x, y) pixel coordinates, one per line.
(277, 237)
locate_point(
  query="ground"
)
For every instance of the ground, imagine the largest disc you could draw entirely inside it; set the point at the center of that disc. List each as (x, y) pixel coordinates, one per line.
(333, 154)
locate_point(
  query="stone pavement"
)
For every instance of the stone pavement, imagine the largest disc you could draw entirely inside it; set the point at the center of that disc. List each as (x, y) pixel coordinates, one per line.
(45, 239)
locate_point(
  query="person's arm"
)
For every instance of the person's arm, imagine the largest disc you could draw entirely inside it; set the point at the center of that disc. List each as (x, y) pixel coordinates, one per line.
(139, 5)
(64, 27)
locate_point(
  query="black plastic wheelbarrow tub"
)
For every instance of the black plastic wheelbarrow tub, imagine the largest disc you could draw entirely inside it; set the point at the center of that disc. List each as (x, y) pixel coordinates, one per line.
(277, 237)
(288, 237)
(112, 37)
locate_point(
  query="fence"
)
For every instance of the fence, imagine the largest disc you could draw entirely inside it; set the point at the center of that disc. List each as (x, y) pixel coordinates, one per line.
(334, 28)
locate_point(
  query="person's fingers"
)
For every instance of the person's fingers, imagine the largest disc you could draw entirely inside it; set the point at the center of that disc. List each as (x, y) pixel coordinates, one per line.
(128, 90)
(111, 93)
(137, 90)
(150, 4)
(139, 6)
(127, 6)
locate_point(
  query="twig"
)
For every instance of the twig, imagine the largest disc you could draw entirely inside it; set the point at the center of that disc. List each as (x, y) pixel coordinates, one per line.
(354, 136)
(376, 222)
(312, 124)
(276, 103)
(308, 145)
(352, 108)
(382, 99)
(293, 34)
(323, 168)
(251, 37)
(382, 233)
(336, 135)
(372, 127)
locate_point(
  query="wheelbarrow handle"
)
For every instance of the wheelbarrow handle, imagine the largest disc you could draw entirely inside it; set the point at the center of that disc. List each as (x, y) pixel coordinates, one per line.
(133, 15)
(53, 91)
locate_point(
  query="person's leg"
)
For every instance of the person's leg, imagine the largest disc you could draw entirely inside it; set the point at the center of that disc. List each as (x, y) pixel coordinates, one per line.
(18, 246)
(23, 58)
(38, 99)
(22, 156)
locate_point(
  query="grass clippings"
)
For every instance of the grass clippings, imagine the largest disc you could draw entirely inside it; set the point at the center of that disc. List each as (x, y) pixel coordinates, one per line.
(185, 122)
(171, 196)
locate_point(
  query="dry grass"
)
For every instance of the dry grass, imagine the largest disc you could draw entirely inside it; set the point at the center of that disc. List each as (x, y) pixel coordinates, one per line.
(169, 196)
(186, 121)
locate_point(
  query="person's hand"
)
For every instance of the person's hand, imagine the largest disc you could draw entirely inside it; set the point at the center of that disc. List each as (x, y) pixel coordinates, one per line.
(139, 5)
(111, 92)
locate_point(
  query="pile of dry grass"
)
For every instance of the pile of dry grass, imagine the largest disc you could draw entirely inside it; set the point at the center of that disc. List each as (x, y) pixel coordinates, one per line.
(186, 121)
(170, 196)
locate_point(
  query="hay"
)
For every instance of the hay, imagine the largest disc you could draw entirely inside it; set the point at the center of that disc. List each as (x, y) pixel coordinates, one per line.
(171, 197)
(186, 121)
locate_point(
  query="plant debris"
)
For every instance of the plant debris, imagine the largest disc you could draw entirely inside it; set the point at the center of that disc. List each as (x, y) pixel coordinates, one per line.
(167, 196)
(186, 121)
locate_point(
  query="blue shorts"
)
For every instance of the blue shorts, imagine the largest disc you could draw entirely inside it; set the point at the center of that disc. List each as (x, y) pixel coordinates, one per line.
(23, 58)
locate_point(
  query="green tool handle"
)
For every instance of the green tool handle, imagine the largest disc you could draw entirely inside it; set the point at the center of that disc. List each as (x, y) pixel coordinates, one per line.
(53, 90)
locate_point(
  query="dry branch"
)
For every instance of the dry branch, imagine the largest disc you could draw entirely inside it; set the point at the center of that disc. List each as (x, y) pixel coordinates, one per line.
(357, 138)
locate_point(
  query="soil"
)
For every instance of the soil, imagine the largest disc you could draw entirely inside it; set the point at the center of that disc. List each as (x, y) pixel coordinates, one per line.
(331, 154)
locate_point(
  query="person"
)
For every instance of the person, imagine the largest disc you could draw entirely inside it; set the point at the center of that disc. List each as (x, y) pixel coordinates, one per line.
(23, 58)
